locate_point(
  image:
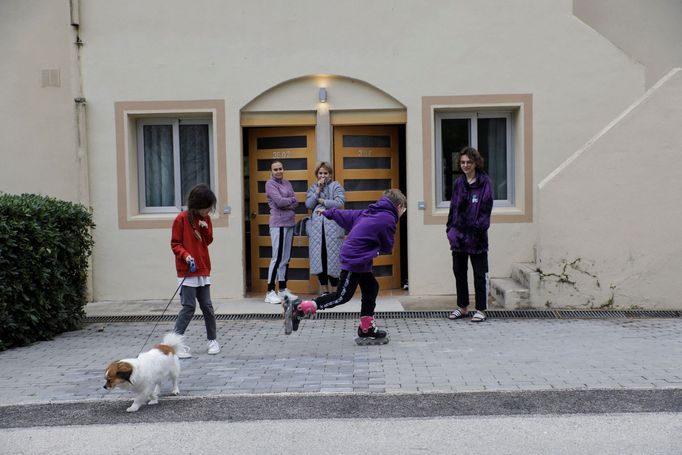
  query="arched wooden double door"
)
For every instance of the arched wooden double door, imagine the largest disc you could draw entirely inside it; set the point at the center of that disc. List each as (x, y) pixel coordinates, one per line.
(366, 162)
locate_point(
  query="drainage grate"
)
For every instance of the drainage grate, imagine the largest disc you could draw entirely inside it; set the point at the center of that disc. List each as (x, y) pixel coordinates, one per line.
(590, 314)
(493, 314)
(522, 314)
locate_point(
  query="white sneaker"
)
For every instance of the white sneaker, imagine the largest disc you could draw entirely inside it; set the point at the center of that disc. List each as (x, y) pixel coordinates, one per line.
(183, 353)
(272, 297)
(287, 293)
(213, 347)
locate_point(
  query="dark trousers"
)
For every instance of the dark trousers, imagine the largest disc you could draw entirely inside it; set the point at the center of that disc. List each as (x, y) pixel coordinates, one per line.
(479, 262)
(348, 283)
(324, 277)
(327, 279)
(188, 297)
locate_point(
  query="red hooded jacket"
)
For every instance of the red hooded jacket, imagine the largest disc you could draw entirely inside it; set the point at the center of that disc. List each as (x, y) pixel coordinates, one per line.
(184, 243)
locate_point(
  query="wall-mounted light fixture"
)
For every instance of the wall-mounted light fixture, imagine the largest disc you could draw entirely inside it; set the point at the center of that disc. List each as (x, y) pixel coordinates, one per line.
(323, 95)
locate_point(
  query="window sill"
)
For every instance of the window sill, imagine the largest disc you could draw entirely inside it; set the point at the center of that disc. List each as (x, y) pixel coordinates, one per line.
(161, 221)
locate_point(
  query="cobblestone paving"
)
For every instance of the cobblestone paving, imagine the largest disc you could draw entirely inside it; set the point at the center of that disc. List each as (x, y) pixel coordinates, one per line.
(424, 355)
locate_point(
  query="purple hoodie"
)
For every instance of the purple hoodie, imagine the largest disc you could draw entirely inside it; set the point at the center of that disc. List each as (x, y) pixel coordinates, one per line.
(469, 217)
(372, 232)
(282, 202)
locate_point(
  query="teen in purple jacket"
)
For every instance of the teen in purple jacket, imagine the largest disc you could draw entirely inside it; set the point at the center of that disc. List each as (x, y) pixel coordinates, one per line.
(372, 232)
(467, 230)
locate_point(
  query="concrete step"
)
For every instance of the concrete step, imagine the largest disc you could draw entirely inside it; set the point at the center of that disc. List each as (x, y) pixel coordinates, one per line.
(509, 293)
(525, 273)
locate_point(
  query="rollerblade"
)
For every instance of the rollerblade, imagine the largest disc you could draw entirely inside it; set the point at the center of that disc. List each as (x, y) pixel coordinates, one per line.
(287, 309)
(307, 308)
(368, 334)
(302, 310)
(294, 311)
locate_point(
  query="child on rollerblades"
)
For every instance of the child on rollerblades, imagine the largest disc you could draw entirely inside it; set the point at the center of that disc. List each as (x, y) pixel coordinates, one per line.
(371, 232)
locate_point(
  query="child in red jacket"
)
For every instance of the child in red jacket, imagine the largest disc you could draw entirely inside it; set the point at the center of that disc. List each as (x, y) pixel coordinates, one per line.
(191, 236)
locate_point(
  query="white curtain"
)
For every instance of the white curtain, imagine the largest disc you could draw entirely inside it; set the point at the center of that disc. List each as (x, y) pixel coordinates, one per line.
(492, 142)
(194, 157)
(158, 166)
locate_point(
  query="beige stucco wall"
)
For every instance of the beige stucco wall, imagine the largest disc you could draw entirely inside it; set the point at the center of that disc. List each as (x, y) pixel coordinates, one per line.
(37, 124)
(648, 30)
(612, 212)
(235, 51)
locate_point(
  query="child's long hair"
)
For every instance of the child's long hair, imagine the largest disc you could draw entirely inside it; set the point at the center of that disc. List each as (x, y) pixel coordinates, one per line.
(200, 197)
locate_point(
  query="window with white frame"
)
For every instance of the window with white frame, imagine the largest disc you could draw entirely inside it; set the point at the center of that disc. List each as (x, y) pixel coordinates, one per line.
(174, 154)
(491, 134)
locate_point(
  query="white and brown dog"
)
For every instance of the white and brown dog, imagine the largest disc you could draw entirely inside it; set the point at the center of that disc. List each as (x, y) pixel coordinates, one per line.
(145, 374)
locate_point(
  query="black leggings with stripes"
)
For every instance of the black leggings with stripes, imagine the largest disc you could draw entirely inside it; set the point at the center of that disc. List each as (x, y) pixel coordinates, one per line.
(348, 283)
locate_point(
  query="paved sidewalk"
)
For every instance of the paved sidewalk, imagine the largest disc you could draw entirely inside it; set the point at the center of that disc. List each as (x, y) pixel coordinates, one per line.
(424, 355)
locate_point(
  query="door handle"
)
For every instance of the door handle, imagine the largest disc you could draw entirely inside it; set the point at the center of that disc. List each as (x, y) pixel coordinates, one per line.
(253, 215)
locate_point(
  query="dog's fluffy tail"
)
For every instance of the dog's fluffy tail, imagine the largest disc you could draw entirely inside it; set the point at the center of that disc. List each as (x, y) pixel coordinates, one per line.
(174, 340)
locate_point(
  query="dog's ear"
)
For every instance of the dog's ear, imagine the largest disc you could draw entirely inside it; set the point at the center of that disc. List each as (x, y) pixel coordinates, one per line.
(124, 370)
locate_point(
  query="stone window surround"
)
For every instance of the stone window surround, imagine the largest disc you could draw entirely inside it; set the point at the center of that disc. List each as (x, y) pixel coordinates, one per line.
(522, 104)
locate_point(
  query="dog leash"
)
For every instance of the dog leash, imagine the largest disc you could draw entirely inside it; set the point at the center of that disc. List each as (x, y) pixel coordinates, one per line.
(192, 269)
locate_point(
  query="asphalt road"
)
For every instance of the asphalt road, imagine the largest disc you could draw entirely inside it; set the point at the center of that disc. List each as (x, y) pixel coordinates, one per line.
(531, 422)
(343, 406)
(604, 434)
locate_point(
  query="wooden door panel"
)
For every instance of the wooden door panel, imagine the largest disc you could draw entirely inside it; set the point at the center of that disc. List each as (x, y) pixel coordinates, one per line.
(295, 146)
(366, 164)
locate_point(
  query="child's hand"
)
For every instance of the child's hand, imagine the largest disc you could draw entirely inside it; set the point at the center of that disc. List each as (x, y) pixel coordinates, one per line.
(203, 224)
(191, 264)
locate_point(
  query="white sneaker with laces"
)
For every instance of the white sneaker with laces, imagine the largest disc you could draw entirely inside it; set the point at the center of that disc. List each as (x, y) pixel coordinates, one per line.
(272, 297)
(287, 293)
(183, 353)
(213, 347)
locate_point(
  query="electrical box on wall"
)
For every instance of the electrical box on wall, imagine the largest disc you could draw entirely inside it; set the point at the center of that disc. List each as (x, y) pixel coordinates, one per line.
(50, 77)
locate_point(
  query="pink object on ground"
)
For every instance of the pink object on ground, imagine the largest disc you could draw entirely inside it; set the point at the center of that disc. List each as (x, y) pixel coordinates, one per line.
(307, 307)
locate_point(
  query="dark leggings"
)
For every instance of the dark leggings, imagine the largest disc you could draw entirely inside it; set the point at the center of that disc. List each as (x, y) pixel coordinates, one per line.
(348, 283)
(479, 262)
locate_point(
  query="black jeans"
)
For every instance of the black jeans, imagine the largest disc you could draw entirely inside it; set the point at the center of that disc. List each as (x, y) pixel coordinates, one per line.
(348, 283)
(479, 262)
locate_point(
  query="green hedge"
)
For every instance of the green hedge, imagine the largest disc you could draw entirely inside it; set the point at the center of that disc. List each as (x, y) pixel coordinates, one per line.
(45, 244)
